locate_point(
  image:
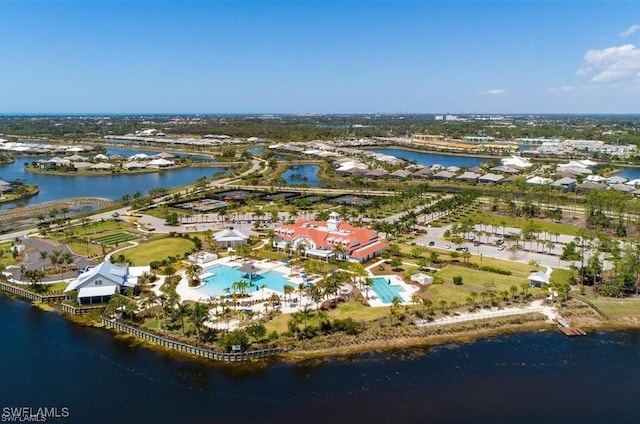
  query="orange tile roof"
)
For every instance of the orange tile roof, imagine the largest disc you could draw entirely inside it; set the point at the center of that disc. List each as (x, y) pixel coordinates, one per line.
(370, 249)
(322, 236)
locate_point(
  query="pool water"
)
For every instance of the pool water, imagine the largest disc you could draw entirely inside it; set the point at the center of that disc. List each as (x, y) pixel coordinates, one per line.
(224, 276)
(385, 291)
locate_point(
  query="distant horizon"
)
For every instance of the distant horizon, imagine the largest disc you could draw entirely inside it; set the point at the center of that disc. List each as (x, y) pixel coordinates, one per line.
(301, 114)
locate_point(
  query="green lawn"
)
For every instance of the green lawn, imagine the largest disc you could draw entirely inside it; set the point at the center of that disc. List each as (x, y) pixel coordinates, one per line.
(115, 238)
(618, 308)
(355, 310)
(449, 293)
(98, 227)
(157, 250)
(479, 278)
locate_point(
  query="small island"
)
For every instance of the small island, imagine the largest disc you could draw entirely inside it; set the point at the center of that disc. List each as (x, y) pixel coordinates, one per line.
(10, 191)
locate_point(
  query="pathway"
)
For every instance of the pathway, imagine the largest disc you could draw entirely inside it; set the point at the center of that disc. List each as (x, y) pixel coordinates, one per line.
(535, 306)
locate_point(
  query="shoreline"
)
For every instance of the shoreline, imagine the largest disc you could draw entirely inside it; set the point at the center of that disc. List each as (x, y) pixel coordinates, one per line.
(464, 332)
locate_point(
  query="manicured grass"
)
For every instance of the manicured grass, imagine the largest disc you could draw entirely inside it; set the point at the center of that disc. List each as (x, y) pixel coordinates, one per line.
(479, 278)
(85, 249)
(355, 310)
(56, 287)
(278, 324)
(98, 227)
(449, 293)
(158, 249)
(358, 312)
(6, 258)
(115, 239)
(618, 308)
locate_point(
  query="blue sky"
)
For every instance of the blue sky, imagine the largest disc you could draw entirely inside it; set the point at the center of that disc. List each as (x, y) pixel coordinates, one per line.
(312, 56)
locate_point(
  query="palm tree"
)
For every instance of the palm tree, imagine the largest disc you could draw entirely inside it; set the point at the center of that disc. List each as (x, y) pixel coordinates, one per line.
(415, 299)
(288, 290)
(367, 283)
(443, 305)
(192, 271)
(262, 287)
(198, 316)
(306, 314)
(296, 319)
(395, 305)
(43, 255)
(181, 311)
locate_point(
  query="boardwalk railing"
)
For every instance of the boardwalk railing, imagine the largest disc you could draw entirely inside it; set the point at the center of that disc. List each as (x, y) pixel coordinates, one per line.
(187, 348)
(29, 295)
(80, 310)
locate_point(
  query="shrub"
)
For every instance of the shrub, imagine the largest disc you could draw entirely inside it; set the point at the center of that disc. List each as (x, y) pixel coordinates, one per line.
(457, 280)
(495, 270)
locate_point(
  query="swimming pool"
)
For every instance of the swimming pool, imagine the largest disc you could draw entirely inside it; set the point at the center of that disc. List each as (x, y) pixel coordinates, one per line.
(385, 291)
(224, 276)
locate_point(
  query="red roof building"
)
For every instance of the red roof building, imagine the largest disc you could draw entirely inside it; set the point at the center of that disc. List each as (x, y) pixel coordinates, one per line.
(329, 239)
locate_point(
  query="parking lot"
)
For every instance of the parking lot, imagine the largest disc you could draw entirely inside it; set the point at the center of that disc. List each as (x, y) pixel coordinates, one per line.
(494, 246)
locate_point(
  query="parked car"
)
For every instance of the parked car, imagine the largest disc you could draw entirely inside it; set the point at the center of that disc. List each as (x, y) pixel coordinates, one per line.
(476, 243)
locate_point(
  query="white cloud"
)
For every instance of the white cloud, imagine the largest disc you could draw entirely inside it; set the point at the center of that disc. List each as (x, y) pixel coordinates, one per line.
(613, 64)
(630, 31)
(563, 89)
(492, 92)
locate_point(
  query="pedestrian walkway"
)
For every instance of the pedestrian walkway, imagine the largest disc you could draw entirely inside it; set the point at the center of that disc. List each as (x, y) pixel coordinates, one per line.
(534, 307)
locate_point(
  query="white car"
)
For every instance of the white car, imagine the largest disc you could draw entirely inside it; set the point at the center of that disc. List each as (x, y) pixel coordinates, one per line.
(447, 246)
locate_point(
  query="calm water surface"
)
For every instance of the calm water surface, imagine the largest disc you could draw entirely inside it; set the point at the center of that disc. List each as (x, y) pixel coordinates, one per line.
(524, 378)
(55, 187)
(302, 174)
(429, 159)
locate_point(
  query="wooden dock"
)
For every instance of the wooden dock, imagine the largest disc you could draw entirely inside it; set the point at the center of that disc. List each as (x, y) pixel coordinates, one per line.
(572, 331)
(567, 329)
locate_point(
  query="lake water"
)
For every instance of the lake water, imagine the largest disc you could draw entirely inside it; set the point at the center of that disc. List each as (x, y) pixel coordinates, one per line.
(630, 173)
(429, 159)
(525, 378)
(302, 174)
(55, 187)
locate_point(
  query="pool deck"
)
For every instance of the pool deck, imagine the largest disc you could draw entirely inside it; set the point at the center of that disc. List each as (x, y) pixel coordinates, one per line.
(405, 295)
(259, 297)
(192, 293)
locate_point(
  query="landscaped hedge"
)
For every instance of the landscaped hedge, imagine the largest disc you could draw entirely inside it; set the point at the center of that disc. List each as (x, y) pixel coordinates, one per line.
(495, 270)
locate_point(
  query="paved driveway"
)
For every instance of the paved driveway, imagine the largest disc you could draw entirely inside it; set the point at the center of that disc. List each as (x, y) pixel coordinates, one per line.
(33, 260)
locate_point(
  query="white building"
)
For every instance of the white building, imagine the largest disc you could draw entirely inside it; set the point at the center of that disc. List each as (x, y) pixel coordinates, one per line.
(98, 284)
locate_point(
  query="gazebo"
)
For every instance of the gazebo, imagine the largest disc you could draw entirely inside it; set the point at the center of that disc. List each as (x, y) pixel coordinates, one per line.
(248, 270)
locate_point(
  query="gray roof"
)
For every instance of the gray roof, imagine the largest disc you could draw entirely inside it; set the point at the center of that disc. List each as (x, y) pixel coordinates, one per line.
(564, 181)
(444, 175)
(590, 185)
(106, 270)
(376, 173)
(622, 187)
(617, 180)
(506, 169)
(492, 178)
(400, 173)
(468, 176)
